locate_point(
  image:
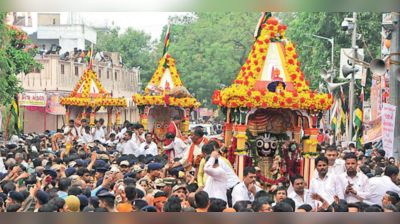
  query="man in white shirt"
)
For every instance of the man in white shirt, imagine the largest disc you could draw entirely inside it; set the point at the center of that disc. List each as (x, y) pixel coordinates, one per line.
(112, 139)
(78, 127)
(70, 131)
(300, 196)
(148, 147)
(103, 126)
(217, 181)
(177, 144)
(381, 184)
(129, 147)
(246, 190)
(87, 136)
(98, 133)
(355, 185)
(122, 133)
(325, 184)
(336, 166)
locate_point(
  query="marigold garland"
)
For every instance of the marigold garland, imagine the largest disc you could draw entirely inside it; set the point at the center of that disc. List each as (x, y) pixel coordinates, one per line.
(241, 93)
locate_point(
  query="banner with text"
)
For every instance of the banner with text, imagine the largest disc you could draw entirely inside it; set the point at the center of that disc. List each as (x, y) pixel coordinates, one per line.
(205, 112)
(32, 99)
(388, 123)
(54, 106)
(373, 130)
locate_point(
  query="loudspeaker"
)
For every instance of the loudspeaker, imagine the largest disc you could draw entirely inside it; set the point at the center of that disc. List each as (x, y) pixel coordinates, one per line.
(333, 86)
(323, 73)
(347, 70)
(378, 66)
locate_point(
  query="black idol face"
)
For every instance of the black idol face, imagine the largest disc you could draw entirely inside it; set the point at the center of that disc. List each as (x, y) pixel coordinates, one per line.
(266, 145)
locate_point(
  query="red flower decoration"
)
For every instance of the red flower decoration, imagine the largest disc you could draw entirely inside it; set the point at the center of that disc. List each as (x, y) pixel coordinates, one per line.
(299, 84)
(312, 95)
(329, 107)
(249, 93)
(298, 63)
(251, 74)
(294, 45)
(295, 56)
(312, 106)
(266, 41)
(262, 93)
(295, 105)
(298, 69)
(246, 77)
(264, 105)
(172, 73)
(295, 94)
(282, 104)
(264, 25)
(233, 104)
(254, 56)
(307, 83)
(302, 100)
(294, 76)
(272, 34)
(271, 27)
(282, 93)
(275, 99)
(290, 49)
(158, 102)
(279, 27)
(246, 82)
(253, 47)
(248, 67)
(258, 69)
(289, 100)
(285, 27)
(258, 98)
(263, 58)
(261, 50)
(302, 74)
(185, 100)
(329, 96)
(291, 61)
(249, 104)
(243, 68)
(154, 98)
(159, 78)
(255, 62)
(242, 98)
(322, 101)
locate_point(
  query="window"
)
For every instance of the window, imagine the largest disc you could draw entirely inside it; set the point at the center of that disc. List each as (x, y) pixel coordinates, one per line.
(62, 70)
(108, 74)
(76, 71)
(54, 21)
(99, 73)
(116, 76)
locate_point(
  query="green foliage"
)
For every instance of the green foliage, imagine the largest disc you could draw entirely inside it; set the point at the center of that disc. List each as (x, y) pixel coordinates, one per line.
(15, 58)
(209, 49)
(135, 47)
(328, 24)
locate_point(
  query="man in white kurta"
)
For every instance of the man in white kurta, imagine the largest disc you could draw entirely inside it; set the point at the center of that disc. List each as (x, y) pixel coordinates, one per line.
(70, 131)
(178, 145)
(217, 181)
(148, 147)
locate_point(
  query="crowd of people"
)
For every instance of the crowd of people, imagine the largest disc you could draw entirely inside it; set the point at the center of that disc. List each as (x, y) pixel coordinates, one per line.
(103, 169)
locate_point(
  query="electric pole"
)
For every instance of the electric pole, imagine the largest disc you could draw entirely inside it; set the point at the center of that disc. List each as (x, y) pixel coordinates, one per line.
(351, 99)
(394, 88)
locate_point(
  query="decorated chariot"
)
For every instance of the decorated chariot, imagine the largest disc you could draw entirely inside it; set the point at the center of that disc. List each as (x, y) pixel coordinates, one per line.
(271, 113)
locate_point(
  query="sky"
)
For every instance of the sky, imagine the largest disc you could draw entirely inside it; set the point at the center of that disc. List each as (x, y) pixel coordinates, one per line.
(150, 22)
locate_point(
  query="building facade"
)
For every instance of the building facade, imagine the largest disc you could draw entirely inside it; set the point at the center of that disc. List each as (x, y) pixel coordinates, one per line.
(60, 77)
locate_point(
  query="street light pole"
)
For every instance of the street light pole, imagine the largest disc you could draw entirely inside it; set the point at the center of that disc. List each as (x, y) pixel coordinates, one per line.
(351, 97)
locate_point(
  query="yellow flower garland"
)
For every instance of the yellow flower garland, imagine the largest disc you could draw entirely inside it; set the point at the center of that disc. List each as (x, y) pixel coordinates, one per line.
(160, 100)
(241, 93)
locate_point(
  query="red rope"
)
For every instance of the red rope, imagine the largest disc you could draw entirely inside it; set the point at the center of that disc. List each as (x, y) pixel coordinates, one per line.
(268, 180)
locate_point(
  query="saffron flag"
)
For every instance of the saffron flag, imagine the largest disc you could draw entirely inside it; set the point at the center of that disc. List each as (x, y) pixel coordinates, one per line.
(15, 113)
(333, 125)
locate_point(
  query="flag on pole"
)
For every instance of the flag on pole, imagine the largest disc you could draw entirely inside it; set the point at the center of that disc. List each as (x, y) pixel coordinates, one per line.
(343, 122)
(358, 119)
(89, 57)
(166, 45)
(15, 113)
(333, 124)
(262, 20)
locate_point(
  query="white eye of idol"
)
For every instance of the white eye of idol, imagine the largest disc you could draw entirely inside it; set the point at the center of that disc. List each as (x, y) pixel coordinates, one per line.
(273, 145)
(260, 143)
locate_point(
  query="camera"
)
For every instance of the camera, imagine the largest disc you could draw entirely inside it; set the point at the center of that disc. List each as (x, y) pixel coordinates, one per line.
(345, 25)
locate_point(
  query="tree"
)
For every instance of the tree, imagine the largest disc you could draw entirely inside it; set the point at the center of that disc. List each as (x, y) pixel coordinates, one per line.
(16, 56)
(328, 24)
(135, 46)
(209, 49)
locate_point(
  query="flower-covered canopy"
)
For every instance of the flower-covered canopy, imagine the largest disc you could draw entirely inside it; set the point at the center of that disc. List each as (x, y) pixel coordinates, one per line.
(89, 92)
(166, 88)
(271, 76)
